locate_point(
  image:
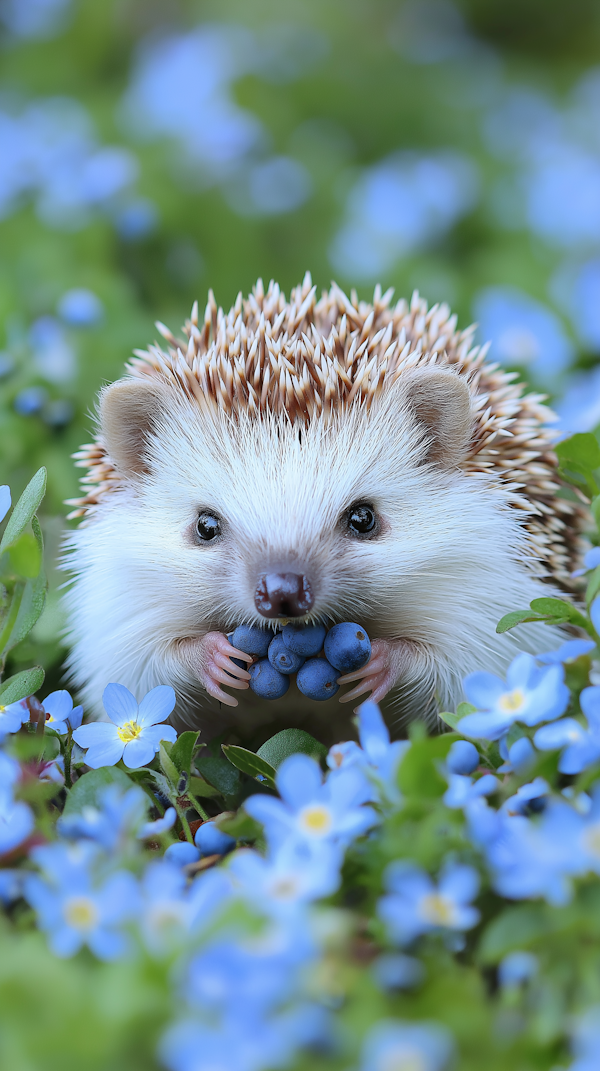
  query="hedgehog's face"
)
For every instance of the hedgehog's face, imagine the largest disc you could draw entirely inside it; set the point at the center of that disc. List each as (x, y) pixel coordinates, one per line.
(261, 519)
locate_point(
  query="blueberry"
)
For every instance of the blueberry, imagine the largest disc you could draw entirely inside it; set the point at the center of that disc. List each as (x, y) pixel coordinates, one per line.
(304, 640)
(182, 853)
(212, 841)
(251, 639)
(267, 681)
(317, 679)
(462, 758)
(347, 646)
(282, 658)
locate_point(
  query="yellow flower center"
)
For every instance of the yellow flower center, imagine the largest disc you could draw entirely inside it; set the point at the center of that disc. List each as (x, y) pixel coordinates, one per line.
(80, 912)
(438, 909)
(402, 1058)
(511, 702)
(316, 819)
(591, 839)
(128, 731)
(284, 888)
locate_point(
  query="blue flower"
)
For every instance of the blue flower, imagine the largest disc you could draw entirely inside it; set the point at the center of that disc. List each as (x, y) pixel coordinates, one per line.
(518, 757)
(113, 824)
(462, 790)
(16, 818)
(522, 331)
(240, 1042)
(394, 970)
(311, 811)
(379, 758)
(462, 758)
(530, 798)
(568, 652)
(405, 1046)
(149, 830)
(80, 307)
(165, 909)
(5, 501)
(61, 715)
(289, 878)
(516, 968)
(581, 744)
(590, 561)
(595, 613)
(585, 1041)
(414, 905)
(133, 734)
(12, 717)
(531, 695)
(73, 910)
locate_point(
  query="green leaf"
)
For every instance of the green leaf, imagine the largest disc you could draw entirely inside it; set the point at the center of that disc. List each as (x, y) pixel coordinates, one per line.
(451, 719)
(240, 825)
(556, 608)
(516, 617)
(418, 775)
(220, 774)
(168, 766)
(25, 556)
(516, 928)
(86, 792)
(182, 751)
(580, 452)
(26, 608)
(593, 586)
(291, 742)
(21, 685)
(250, 764)
(201, 788)
(24, 510)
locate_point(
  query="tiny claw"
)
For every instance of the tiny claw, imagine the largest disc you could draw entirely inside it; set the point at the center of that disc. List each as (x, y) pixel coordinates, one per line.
(233, 670)
(372, 667)
(366, 686)
(217, 693)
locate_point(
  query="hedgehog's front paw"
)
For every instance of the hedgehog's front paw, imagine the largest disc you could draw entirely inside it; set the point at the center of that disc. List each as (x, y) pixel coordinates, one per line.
(211, 660)
(381, 672)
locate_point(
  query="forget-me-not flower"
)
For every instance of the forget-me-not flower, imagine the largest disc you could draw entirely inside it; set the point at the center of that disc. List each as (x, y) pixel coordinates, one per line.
(310, 810)
(462, 758)
(415, 905)
(61, 715)
(12, 717)
(531, 695)
(567, 652)
(530, 798)
(5, 501)
(394, 1045)
(289, 878)
(377, 756)
(73, 909)
(16, 818)
(516, 968)
(518, 757)
(462, 790)
(581, 744)
(133, 733)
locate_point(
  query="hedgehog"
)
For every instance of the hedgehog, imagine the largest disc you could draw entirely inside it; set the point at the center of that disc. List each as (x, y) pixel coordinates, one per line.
(320, 459)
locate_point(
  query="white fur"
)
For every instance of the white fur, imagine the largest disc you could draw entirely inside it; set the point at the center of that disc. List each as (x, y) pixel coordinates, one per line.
(452, 558)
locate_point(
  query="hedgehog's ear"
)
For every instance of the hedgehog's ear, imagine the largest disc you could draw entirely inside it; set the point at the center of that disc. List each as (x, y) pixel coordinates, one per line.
(129, 412)
(441, 405)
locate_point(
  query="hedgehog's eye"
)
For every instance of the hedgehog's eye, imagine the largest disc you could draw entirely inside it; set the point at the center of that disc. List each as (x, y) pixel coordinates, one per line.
(362, 519)
(207, 527)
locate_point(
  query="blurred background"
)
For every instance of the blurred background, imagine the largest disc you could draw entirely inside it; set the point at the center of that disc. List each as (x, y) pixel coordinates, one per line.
(151, 149)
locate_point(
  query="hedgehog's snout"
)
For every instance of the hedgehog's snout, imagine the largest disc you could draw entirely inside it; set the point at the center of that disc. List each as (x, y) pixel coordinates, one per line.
(283, 595)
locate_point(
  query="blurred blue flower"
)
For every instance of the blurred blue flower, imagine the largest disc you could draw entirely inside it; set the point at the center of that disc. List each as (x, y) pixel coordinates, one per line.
(516, 968)
(53, 355)
(164, 917)
(462, 758)
(311, 811)
(529, 798)
(16, 818)
(414, 905)
(562, 193)
(579, 407)
(73, 909)
(271, 187)
(11, 885)
(522, 331)
(114, 824)
(394, 970)
(376, 756)
(80, 308)
(595, 613)
(135, 218)
(462, 790)
(531, 695)
(30, 400)
(149, 830)
(518, 757)
(581, 743)
(590, 561)
(585, 1041)
(61, 715)
(399, 205)
(568, 651)
(134, 732)
(239, 1042)
(393, 1044)
(34, 18)
(5, 500)
(212, 841)
(289, 878)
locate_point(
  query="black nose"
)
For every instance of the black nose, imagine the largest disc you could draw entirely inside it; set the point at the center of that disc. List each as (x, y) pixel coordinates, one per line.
(283, 595)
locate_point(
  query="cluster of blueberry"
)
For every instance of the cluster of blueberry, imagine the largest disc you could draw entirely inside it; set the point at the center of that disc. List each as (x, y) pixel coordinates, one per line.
(296, 649)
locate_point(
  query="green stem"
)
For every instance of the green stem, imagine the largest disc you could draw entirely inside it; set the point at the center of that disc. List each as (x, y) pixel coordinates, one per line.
(198, 807)
(67, 758)
(185, 823)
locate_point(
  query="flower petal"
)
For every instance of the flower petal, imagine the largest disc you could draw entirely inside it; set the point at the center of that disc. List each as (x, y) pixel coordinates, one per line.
(104, 753)
(155, 733)
(299, 780)
(483, 689)
(119, 703)
(5, 500)
(156, 705)
(485, 726)
(58, 705)
(95, 732)
(138, 752)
